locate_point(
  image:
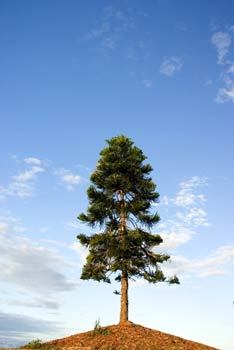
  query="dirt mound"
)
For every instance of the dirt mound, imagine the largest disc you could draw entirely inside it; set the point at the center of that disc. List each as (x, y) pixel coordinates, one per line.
(129, 336)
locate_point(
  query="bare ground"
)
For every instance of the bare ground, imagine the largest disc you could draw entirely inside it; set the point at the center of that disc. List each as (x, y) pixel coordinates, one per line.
(130, 336)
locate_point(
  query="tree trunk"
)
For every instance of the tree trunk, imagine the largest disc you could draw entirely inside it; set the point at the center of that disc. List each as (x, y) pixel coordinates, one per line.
(124, 299)
(124, 277)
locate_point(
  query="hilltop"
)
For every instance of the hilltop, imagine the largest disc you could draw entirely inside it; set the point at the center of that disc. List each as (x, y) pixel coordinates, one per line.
(126, 337)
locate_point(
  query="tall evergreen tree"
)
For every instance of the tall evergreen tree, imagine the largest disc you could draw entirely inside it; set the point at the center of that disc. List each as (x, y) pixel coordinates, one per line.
(120, 197)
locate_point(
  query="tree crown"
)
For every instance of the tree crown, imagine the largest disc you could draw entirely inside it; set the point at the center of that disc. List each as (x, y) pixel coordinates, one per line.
(120, 198)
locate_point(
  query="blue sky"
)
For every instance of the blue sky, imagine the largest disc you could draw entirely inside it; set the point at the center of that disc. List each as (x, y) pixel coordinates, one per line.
(74, 74)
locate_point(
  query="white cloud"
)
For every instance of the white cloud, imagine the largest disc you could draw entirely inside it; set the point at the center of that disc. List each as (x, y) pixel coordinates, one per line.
(190, 214)
(31, 267)
(81, 250)
(223, 255)
(214, 272)
(147, 83)
(68, 179)
(219, 263)
(170, 66)
(16, 330)
(222, 42)
(225, 95)
(230, 68)
(110, 29)
(194, 217)
(175, 238)
(195, 181)
(22, 185)
(110, 42)
(99, 31)
(27, 175)
(10, 224)
(35, 303)
(183, 226)
(165, 200)
(139, 50)
(3, 227)
(17, 189)
(32, 161)
(187, 195)
(209, 82)
(185, 198)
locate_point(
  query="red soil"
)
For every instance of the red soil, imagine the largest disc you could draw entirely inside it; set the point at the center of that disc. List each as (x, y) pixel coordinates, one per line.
(126, 337)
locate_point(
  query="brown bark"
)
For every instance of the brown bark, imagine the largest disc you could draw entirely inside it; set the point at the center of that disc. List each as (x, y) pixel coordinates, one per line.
(124, 277)
(124, 299)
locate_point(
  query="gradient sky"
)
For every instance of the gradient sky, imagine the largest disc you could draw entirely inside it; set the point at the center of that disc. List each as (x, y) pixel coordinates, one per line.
(73, 74)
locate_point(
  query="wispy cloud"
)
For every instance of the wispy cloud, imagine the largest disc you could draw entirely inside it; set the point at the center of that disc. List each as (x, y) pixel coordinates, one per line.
(16, 330)
(222, 42)
(67, 178)
(35, 303)
(22, 184)
(190, 213)
(194, 217)
(108, 33)
(111, 27)
(226, 94)
(10, 224)
(209, 82)
(220, 262)
(32, 161)
(31, 267)
(81, 251)
(175, 236)
(27, 175)
(139, 50)
(217, 264)
(147, 83)
(171, 65)
(187, 195)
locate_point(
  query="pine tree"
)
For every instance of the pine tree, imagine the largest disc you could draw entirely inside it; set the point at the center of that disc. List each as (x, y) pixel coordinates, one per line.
(120, 198)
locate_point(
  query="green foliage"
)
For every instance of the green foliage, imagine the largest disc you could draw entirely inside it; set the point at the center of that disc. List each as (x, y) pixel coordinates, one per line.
(116, 292)
(100, 330)
(120, 198)
(38, 344)
(97, 324)
(34, 344)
